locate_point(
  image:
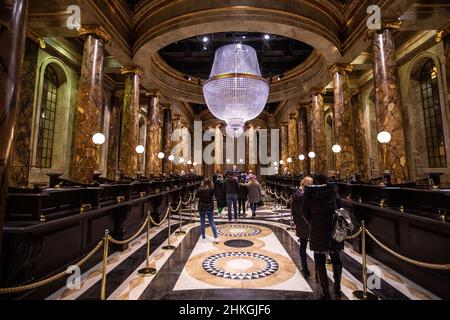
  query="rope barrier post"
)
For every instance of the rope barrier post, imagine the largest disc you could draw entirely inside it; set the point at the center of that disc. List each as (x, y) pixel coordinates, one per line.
(181, 231)
(147, 271)
(291, 224)
(190, 208)
(169, 246)
(281, 207)
(364, 294)
(105, 264)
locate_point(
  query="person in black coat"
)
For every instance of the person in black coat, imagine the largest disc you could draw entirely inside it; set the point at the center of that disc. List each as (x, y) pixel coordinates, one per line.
(301, 225)
(221, 199)
(318, 210)
(242, 196)
(206, 207)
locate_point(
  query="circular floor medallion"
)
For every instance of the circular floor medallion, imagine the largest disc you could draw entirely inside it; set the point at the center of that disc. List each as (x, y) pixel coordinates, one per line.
(238, 243)
(256, 265)
(241, 230)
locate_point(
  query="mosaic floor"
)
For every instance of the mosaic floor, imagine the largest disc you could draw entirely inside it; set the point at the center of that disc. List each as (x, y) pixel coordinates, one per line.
(255, 258)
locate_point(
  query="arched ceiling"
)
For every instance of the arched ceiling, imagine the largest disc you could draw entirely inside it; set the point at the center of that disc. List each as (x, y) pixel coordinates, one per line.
(276, 54)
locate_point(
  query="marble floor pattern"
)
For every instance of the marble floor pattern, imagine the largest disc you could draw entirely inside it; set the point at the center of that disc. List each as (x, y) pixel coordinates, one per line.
(256, 258)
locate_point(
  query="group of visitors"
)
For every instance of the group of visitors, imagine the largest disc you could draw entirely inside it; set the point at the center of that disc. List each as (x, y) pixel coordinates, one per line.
(232, 192)
(313, 207)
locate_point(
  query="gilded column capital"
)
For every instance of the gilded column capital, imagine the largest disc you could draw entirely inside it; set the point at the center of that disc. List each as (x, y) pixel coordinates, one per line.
(95, 30)
(155, 93)
(319, 91)
(392, 25)
(165, 106)
(293, 115)
(131, 70)
(341, 68)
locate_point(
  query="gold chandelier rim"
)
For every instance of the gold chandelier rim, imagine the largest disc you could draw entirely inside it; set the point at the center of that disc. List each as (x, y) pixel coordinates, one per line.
(236, 75)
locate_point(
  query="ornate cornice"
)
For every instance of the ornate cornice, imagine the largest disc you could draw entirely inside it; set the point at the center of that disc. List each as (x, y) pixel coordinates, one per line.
(33, 36)
(441, 33)
(95, 30)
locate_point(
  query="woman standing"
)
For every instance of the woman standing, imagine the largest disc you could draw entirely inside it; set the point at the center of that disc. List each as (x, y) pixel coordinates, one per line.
(221, 200)
(254, 194)
(318, 209)
(301, 225)
(206, 207)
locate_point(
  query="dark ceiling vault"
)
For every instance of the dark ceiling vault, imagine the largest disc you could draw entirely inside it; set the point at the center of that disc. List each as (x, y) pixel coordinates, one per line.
(194, 57)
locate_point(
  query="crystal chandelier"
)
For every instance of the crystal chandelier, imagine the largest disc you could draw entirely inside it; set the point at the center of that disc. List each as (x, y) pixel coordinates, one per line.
(236, 92)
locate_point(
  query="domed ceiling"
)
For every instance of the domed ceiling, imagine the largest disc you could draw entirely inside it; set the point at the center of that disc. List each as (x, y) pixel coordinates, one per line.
(276, 54)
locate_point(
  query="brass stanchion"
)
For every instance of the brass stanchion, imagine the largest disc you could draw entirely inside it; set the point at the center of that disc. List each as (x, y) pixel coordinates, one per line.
(281, 208)
(291, 223)
(364, 294)
(147, 271)
(169, 246)
(190, 210)
(105, 264)
(181, 231)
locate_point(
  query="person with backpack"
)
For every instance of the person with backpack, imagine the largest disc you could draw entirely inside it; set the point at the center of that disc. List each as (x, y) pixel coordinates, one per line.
(318, 209)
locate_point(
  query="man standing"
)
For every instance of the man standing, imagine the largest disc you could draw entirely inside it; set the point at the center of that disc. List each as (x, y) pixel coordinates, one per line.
(231, 190)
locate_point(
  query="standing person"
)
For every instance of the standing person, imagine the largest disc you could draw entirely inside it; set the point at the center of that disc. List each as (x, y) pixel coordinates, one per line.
(242, 196)
(254, 194)
(231, 191)
(318, 209)
(206, 207)
(219, 189)
(215, 176)
(301, 225)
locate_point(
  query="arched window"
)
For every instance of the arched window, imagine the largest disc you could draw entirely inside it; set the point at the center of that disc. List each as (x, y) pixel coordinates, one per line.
(433, 116)
(47, 118)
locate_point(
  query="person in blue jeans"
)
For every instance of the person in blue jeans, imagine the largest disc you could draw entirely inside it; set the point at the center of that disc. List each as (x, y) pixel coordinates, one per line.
(206, 207)
(231, 190)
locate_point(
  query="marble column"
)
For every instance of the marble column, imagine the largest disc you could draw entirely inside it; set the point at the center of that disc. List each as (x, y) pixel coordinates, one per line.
(319, 144)
(21, 154)
(177, 125)
(167, 136)
(85, 156)
(128, 158)
(252, 147)
(360, 134)
(388, 101)
(343, 123)
(154, 136)
(284, 147)
(304, 145)
(13, 15)
(112, 166)
(293, 142)
(218, 149)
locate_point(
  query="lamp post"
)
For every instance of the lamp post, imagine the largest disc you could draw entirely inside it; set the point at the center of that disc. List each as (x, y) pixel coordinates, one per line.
(301, 158)
(161, 156)
(312, 156)
(140, 149)
(98, 139)
(336, 150)
(384, 138)
(171, 159)
(289, 161)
